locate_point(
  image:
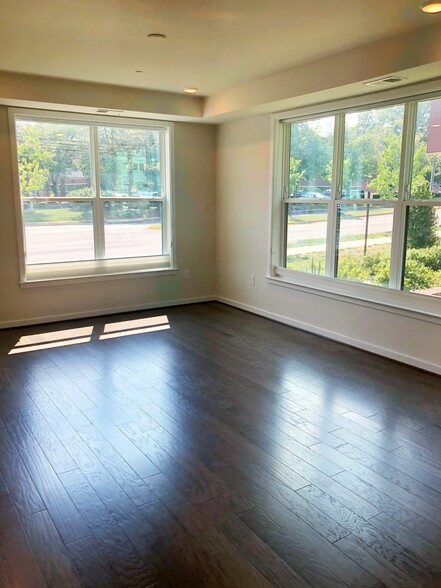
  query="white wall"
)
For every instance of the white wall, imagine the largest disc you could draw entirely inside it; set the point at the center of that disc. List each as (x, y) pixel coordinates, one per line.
(74, 96)
(194, 209)
(242, 216)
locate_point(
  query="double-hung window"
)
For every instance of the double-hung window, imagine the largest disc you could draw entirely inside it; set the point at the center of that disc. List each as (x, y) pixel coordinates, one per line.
(93, 195)
(357, 198)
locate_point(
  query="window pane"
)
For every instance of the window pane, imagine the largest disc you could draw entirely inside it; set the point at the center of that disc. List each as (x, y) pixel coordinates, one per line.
(310, 162)
(306, 237)
(426, 171)
(422, 270)
(129, 162)
(133, 229)
(372, 153)
(364, 237)
(53, 159)
(58, 231)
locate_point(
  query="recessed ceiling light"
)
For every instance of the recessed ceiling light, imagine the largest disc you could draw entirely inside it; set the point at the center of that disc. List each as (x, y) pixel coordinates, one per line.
(191, 90)
(156, 36)
(431, 7)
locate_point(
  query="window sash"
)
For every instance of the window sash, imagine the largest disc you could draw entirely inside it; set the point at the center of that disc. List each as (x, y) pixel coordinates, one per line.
(400, 205)
(101, 264)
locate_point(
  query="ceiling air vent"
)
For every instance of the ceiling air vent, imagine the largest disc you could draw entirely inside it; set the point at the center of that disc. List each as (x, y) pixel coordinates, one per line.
(382, 81)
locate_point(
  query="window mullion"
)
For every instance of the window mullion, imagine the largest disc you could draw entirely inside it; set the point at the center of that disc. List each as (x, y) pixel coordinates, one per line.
(399, 222)
(337, 174)
(281, 161)
(98, 213)
(283, 191)
(165, 189)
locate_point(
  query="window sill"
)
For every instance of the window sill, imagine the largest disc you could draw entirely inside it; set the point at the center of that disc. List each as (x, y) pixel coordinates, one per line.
(122, 275)
(417, 306)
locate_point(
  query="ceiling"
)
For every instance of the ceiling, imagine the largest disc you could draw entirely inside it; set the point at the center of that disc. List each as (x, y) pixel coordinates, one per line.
(211, 44)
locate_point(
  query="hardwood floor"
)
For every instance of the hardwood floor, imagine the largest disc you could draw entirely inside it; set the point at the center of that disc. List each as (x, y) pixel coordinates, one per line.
(202, 446)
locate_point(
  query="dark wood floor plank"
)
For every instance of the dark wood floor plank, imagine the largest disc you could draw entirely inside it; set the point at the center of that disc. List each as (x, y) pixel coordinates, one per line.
(54, 416)
(320, 435)
(425, 458)
(52, 446)
(63, 373)
(383, 438)
(263, 558)
(65, 516)
(385, 546)
(294, 513)
(165, 554)
(385, 572)
(309, 534)
(411, 541)
(170, 401)
(128, 450)
(198, 489)
(365, 422)
(401, 479)
(70, 410)
(124, 561)
(389, 493)
(311, 394)
(102, 402)
(327, 483)
(200, 405)
(202, 456)
(218, 561)
(115, 499)
(17, 428)
(390, 458)
(259, 458)
(135, 488)
(19, 482)
(91, 564)
(228, 450)
(280, 487)
(212, 485)
(400, 488)
(84, 362)
(20, 565)
(122, 399)
(51, 553)
(291, 551)
(431, 430)
(294, 455)
(3, 578)
(3, 486)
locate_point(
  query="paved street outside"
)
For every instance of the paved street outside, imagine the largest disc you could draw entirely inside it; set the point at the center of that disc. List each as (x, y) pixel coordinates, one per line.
(350, 226)
(51, 243)
(66, 242)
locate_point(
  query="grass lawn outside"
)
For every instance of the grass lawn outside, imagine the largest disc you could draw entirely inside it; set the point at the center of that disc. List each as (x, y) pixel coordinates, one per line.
(353, 264)
(311, 218)
(343, 238)
(56, 215)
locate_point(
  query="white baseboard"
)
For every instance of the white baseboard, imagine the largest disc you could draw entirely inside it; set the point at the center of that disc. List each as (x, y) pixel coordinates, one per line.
(102, 311)
(377, 349)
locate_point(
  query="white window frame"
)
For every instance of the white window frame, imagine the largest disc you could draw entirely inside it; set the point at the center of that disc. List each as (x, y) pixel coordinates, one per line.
(100, 267)
(393, 299)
